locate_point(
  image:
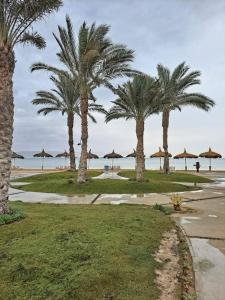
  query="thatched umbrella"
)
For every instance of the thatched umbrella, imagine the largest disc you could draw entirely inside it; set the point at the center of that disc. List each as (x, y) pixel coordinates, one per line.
(42, 154)
(65, 154)
(160, 154)
(185, 155)
(210, 154)
(113, 156)
(90, 156)
(16, 156)
(133, 154)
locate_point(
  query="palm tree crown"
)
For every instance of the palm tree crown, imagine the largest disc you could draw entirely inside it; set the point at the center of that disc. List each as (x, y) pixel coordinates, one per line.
(138, 99)
(17, 17)
(91, 57)
(174, 85)
(64, 98)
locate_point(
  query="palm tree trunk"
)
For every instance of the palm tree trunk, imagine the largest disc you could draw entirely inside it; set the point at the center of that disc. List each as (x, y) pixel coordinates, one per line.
(165, 125)
(70, 122)
(82, 172)
(140, 150)
(6, 124)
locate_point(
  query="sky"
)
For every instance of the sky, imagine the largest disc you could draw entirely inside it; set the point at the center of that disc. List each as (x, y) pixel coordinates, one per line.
(159, 31)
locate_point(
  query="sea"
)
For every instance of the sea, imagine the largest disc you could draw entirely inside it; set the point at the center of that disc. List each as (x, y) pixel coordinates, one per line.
(31, 162)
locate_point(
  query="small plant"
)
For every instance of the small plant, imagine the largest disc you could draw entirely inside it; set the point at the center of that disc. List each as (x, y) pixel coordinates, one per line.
(13, 216)
(176, 201)
(70, 181)
(165, 209)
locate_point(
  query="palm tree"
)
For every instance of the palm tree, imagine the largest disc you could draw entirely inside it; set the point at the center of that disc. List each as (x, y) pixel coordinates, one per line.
(64, 98)
(137, 100)
(174, 96)
(93, 60)
(16, 20)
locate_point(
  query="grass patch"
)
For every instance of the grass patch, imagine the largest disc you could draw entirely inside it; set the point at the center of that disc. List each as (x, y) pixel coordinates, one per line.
(65, 183)
(81, 252)
(174, 177)
(13, 216)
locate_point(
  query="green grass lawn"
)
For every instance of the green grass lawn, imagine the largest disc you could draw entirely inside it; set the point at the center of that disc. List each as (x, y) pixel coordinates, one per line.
(81, 252)
(159, 176)
(61, 183)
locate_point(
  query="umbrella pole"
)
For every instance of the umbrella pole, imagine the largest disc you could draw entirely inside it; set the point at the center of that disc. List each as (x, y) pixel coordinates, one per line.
(210, 164)
(160, 164)
(185, 164)
(42, 166)
(112, 164)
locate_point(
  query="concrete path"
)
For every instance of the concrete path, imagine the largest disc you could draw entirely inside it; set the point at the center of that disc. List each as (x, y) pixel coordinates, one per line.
(110, 175)
(206, 232)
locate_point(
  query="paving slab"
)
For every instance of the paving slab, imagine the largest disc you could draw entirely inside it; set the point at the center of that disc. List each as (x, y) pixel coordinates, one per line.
(208, 221)
(200, 194)
(209, 264)
(110, 175)
(147, 199)
(32, 197)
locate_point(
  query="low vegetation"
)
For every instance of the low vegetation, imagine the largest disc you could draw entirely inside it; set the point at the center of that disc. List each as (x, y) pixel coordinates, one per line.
(173, 177)
(65, 183)
(80, 252)
(13, 216)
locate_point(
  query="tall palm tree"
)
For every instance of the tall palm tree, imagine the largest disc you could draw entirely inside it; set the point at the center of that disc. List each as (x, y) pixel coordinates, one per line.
(137, 100)
(64, 98)
(16, 20)
(173, 87)
(93, 60)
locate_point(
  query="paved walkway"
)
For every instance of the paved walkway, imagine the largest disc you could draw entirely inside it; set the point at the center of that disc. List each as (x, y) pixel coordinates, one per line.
(206, 232)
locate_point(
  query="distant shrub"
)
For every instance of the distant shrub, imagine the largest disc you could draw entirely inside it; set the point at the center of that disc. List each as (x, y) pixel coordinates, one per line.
(13, 216)
(70, 181)
(165, 209)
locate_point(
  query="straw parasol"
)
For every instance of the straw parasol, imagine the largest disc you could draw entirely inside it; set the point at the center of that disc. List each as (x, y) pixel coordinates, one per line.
(133, 155)
(185, 155)
(160, 154)
(113, 156)
(210, 154)
(65, 154)
(91, 155)
(16, 156)
(42, 154)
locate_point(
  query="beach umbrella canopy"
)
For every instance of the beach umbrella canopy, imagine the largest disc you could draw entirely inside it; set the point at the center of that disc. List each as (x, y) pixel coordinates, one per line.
(210, 154)
(64, 154)
(42, 154)
(15, 155)
(132, 154)
(160, 154)
(113, 156)
(185, 155)
(91, 155)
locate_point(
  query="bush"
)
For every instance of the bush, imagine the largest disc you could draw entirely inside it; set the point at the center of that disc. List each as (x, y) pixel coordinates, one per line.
(13, 216)
(165, 209)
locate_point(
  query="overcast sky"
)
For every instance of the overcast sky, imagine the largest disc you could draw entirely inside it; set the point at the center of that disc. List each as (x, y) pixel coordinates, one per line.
(160, 31)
